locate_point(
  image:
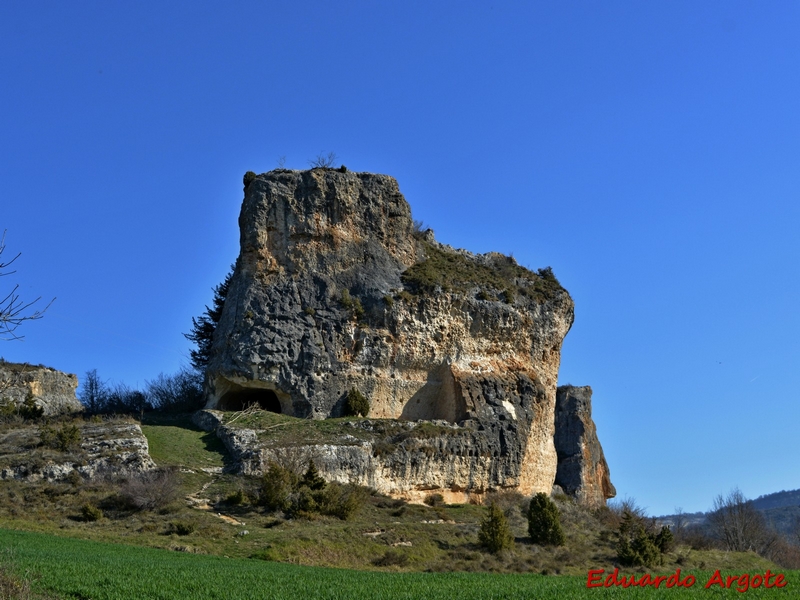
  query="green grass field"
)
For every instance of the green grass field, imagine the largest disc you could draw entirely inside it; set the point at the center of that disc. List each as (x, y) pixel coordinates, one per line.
(84, 569)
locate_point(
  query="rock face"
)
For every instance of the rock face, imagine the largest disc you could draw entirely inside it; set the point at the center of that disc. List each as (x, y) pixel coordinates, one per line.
(582, 469)
(334, 289)
(51, 390)
(118, 448)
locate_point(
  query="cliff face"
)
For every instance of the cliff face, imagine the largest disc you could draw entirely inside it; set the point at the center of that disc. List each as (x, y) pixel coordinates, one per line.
(334, 289)
(582, 468)
(53, 391)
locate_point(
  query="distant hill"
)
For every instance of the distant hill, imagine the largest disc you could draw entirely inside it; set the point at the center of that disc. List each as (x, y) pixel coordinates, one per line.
(781, 509)
(778, 500)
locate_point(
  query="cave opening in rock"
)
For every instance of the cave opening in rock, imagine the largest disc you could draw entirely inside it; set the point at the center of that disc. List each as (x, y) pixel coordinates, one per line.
(245, 397)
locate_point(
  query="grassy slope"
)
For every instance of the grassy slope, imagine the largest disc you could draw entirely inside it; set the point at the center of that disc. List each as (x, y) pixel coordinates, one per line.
(448, 544)
(82, 569)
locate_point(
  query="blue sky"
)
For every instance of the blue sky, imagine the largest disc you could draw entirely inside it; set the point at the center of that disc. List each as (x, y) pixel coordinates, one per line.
(648, 152)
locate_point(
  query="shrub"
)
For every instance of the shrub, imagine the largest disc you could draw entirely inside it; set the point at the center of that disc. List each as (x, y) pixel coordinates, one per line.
(66, 438)
(352, 304)
(434, 499)
(236, 498)
(91, 513)
(312, 479)
(150, 490)
(342, 501)
(277, 484)
(29, 409)
(636, 545)
(356, 404)
(544, 525)
(181, 528)
(495, 532)
(322, 161)
(248, 178)
(391, 558)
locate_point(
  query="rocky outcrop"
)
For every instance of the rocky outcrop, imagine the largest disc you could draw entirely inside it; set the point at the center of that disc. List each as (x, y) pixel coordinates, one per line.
(53, 391)
(334, 289)
(582, 469)
(105, 448)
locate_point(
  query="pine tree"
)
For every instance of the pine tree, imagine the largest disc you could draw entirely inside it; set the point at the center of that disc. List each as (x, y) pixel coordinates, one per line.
(495, 533)
(544, 525)
(312, 478)
(204, 326)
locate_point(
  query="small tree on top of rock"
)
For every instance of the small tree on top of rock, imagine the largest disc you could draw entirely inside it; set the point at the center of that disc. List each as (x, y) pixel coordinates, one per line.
(544, 525)
(356, 404)
(495, 533)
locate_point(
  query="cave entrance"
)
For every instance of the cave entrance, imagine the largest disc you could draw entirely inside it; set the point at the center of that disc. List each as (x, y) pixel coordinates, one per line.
(244, 397)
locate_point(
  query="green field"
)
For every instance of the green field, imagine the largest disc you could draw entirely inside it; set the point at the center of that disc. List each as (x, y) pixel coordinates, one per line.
(84, 569)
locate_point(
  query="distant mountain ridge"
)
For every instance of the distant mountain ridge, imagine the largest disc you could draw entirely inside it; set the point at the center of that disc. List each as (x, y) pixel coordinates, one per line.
(781, 510)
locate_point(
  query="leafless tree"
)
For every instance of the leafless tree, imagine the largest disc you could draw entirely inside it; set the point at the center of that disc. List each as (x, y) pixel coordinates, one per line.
(323, 161)
(13, 310)
(737, 524)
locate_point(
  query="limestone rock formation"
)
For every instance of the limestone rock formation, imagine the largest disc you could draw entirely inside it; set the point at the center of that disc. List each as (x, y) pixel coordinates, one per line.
(53, 391)
(115, 447)
(582, 469)
(334, 289)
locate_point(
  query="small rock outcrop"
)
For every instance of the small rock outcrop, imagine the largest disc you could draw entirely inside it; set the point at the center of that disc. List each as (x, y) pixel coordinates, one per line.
(582, 469)
(52, 391)
(116, 448)
(334, 289)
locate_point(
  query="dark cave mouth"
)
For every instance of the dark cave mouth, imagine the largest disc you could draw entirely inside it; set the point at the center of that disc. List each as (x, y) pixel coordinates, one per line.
(243, 398)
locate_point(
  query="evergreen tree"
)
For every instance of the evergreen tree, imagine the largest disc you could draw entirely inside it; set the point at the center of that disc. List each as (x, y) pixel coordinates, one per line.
(544, 525)
(312, 478)
(204, 326)
(495, 533)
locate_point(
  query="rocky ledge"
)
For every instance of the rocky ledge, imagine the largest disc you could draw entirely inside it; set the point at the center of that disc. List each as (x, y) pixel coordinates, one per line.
(100, 449)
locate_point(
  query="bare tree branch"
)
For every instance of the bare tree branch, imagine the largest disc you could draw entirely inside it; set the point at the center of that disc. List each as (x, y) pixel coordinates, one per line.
(13, 310)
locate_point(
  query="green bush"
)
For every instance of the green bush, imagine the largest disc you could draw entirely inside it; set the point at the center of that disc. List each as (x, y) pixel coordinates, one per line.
(342, 501)
(356, 404)
(636, 545)
(352, 304)
(312, 479)
(181, 528)
(91, 513)
(248, 178)
(66, 438)
(544, 525)
(236, 498)
(495, 532)
(276, 486)
(434, 500)
(29, 410)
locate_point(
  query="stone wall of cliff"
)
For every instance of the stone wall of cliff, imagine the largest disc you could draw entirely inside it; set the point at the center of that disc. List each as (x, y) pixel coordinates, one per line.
(334, 289)
(53, 391)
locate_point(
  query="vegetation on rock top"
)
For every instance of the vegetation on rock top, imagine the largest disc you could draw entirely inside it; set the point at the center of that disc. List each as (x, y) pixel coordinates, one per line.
(497, 276)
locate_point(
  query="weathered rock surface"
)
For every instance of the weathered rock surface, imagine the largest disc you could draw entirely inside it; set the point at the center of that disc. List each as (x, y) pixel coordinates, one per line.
(334, 289)
(112, 448)
(582, 469)
(53, 391)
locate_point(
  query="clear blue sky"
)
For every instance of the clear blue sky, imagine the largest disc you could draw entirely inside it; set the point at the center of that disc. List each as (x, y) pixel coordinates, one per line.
(648, 151)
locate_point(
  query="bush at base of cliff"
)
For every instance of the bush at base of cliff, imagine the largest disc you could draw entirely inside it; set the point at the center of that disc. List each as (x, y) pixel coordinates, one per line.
(356, 404)
(276, 486)
(544, 525)
(495, 533)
